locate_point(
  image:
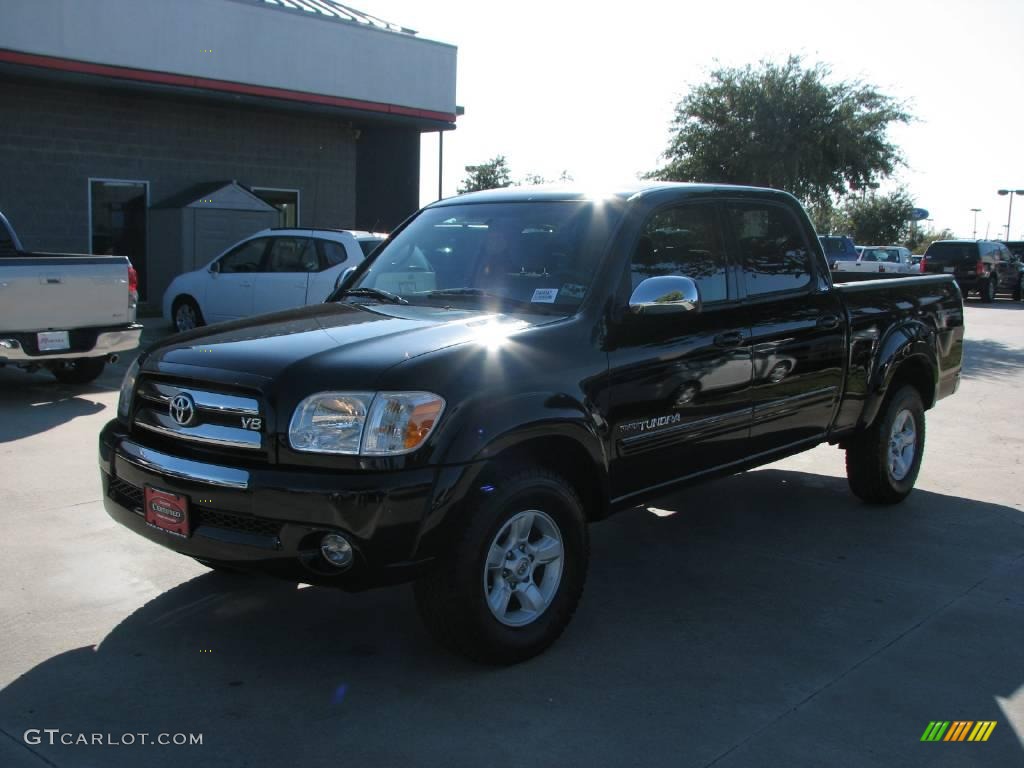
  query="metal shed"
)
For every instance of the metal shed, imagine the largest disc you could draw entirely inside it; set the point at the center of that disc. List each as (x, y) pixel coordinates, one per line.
(190, 228)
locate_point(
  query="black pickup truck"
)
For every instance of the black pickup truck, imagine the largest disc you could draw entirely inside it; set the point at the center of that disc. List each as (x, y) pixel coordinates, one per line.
(509, 367)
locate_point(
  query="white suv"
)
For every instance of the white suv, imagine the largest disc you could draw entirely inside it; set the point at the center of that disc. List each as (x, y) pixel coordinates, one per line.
(271, 270)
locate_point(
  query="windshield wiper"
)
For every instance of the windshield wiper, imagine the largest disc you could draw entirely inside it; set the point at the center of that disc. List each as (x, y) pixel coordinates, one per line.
(375, 293)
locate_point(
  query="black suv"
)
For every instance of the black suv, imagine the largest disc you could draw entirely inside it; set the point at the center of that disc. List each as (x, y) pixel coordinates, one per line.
(984, 266)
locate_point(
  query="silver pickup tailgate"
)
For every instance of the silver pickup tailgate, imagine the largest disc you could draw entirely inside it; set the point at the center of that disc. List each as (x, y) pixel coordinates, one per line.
(40, 292)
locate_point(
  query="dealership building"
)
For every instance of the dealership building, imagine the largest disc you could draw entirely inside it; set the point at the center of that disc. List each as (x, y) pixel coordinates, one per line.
(213, 118)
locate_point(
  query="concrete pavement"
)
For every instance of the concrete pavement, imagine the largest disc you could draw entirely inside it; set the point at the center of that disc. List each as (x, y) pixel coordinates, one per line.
(764, 619)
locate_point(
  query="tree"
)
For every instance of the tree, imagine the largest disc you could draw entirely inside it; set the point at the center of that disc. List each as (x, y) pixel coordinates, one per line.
(919, 240)
(490, 175)
(877, 219)
(786, 127)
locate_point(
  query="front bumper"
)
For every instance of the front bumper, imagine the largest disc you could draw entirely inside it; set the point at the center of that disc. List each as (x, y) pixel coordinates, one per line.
(85, 342)
(271, 519)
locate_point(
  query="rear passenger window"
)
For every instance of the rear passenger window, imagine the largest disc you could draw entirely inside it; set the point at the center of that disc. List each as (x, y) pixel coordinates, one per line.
(334, 253)
(772, 249)
(683, 241)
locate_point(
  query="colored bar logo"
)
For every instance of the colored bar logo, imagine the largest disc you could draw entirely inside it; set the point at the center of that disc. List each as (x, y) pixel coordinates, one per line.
(958, 730)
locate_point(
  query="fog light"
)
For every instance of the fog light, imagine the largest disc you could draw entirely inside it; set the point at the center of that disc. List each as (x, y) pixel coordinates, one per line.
(8, 343)
(336, 550)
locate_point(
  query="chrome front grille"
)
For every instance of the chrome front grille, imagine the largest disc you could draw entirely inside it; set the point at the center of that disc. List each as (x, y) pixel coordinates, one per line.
(199, 415)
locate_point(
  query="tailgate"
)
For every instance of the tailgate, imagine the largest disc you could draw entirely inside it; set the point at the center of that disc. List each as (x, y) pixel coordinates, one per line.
(958, 259)
(44, 292)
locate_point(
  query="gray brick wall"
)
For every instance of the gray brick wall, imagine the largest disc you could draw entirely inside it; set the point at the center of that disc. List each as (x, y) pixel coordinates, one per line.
(55, 136)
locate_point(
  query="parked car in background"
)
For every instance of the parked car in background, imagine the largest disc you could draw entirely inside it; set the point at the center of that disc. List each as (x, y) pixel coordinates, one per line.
(838, 249)
(894, 259)
(982, 266)
(66, 313)
(271, 270)
(915, 260)
(1016, 247)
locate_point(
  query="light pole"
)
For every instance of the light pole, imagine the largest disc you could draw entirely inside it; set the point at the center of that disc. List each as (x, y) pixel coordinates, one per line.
(1009, 216)
(976, 212)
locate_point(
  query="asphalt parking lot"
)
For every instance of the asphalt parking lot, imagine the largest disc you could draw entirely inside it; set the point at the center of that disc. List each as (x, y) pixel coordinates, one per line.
(766, 619)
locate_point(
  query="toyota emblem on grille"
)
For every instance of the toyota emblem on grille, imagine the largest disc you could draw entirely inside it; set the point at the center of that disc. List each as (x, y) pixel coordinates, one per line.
(183, 409)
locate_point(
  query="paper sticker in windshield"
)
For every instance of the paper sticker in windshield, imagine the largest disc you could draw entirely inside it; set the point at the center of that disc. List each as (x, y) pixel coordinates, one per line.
(545, 296)
(574, 290)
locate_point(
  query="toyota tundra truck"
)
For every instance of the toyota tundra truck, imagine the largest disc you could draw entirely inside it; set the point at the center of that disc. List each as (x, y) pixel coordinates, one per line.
(509, 367)
(68, 314)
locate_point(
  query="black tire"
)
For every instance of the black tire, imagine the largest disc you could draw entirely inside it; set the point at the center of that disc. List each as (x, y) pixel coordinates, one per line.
(1018, 292)
(867, 458)
(184, 304)
(452, 599)
(80, 370)
(987, 291)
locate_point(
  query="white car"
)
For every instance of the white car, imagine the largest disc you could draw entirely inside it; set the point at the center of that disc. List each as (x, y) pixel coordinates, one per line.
(880, 258)
(271, 270)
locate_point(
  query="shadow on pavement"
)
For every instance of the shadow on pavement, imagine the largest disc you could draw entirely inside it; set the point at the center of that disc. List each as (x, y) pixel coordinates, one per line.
(987, 358)
(30, 403)
(769, 618)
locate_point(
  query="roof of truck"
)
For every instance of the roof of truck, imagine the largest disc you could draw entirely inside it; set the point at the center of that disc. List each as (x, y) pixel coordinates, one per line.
(619, 191)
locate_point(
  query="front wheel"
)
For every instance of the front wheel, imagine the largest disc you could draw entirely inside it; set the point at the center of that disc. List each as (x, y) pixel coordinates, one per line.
(509, 586)
(882, 463)
(186, 314)
(81, 370)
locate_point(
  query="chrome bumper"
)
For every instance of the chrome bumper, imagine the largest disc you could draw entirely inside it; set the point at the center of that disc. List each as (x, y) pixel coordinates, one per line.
(107, 343)
(183, 469)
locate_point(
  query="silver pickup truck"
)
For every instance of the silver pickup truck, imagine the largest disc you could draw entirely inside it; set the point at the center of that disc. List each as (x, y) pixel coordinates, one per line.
(69, 314)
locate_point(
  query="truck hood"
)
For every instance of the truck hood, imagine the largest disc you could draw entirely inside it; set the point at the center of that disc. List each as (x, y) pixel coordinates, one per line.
(332, 345)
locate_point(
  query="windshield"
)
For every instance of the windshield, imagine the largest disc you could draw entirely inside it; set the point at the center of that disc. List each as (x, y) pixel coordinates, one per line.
(951, 252)
(881, 254)
(530, 255)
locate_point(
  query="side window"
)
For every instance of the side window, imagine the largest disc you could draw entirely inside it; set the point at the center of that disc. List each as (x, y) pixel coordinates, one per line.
(334, 253)
(369, 246)
(292, 254)
(771, 248)
(683, 241)
(247, 257)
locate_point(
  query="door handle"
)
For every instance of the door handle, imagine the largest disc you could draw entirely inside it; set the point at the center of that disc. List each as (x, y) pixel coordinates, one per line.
(828, 322)
(246, 285)
(730, 339)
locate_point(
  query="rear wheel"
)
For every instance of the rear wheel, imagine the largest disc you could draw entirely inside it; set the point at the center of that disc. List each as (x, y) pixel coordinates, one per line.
(81, 370)
(883, 462)
(186, 314)
(511, 583)
(987, 291)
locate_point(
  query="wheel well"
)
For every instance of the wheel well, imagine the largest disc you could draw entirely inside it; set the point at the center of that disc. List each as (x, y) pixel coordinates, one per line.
(567, 458)
(918, 374)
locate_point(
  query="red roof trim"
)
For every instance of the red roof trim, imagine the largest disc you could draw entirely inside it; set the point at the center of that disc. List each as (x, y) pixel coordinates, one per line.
(225, 86)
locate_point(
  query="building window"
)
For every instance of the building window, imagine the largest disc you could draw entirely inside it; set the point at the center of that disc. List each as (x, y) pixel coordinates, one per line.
(117, 222)
(285, 200)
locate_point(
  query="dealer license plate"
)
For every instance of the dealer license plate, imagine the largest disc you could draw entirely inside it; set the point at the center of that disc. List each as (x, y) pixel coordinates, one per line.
(167, 511)
(50, 341)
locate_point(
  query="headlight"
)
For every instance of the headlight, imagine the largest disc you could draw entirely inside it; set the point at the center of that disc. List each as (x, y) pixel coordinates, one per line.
(367, 423)
(124, 402)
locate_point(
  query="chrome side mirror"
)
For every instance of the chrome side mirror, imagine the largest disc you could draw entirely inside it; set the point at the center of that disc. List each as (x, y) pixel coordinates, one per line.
(667, 294)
